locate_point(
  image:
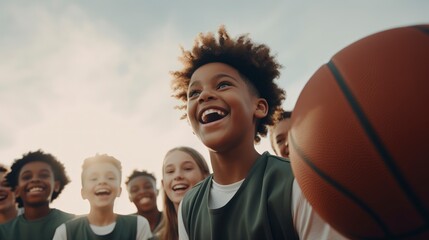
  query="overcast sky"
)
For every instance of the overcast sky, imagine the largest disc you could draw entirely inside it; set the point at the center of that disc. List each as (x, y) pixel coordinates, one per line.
(92, 76)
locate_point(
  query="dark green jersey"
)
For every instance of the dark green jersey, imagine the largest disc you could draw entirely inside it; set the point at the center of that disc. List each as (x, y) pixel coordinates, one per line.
(260, 209)
(125, 229)
(40, 229)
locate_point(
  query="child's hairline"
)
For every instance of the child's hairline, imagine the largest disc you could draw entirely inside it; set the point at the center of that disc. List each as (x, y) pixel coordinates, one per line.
(99, 160)
(127, 184)
(50, 163)
(196, 156)
(136, 173)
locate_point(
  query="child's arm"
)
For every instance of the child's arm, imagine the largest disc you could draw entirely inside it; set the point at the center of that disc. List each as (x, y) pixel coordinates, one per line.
(143, 229)
(60, 233)
(308, 224)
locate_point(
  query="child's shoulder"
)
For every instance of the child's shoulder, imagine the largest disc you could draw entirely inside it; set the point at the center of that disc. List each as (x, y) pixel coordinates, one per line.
(201, 187)
(63, 215)
(274, 159)
(128, 216)
(273, 165)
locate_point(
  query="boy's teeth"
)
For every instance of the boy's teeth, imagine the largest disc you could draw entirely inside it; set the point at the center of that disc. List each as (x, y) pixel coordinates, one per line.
(36, 189)
(209, 111)
(144, 200)
(211, 115)
(102, 191)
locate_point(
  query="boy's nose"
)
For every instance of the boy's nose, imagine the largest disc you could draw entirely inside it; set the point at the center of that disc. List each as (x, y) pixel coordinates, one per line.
(206, 95)
(102, 181)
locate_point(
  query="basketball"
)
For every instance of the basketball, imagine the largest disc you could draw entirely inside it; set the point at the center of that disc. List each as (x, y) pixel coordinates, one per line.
(359, 142)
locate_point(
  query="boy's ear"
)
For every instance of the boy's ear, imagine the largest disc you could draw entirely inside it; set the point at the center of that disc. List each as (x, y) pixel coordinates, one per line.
(17, 192)
(261, 108)
(119, 192)
(56, 186)
(82, 193)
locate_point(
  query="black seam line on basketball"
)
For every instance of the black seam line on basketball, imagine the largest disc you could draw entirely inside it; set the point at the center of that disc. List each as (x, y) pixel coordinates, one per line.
(422, 28)
(342, 189)
(376, 141)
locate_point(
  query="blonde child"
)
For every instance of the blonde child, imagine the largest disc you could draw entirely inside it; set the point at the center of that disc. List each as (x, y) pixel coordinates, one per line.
(101, 185)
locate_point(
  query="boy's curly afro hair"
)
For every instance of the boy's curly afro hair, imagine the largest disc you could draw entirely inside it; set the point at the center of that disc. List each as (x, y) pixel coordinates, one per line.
(38, 156)
(252, 60)
(137, 173)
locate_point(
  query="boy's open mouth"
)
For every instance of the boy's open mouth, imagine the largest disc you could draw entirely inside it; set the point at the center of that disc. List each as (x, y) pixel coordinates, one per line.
(145, 200)
(3, 196)
(35, 189)
(102, 191)
(212, 115)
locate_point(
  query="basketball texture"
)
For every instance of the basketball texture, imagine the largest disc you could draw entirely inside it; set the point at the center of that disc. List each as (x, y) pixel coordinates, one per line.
(360, 137)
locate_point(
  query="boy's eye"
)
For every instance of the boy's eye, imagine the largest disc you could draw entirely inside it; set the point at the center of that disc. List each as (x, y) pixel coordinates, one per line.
(193, 94)
(4, 183)
(26, 177)
(223, 85)
(45, 175)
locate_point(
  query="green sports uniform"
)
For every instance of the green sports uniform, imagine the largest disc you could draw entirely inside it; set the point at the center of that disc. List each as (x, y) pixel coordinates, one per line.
(40, 229)
(125, 228)
(260, 209)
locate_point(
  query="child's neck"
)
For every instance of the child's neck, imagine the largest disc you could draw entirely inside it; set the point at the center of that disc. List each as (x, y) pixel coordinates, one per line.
(153, 216)
(101, 216)
(233, 166)
(36, 212)
(8, 214)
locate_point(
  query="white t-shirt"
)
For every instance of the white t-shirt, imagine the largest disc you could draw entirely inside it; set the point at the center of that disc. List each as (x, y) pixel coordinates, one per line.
(143, 230)
(308, 224)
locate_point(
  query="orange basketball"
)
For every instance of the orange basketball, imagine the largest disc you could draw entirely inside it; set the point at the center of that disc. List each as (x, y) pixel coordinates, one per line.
(359, 142)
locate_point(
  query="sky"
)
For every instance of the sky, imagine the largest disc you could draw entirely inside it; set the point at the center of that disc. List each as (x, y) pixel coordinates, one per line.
(84, 77)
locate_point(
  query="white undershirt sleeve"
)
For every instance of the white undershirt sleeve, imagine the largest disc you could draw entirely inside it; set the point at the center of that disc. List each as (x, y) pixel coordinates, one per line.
(308, 224)
(60, 233)
(143, 229)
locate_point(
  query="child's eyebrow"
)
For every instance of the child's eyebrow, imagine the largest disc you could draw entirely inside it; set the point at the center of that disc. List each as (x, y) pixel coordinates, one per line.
(215, 77)
(111, 173)
(169, 165)
(280, 135)
(188, 162)
(41, 170)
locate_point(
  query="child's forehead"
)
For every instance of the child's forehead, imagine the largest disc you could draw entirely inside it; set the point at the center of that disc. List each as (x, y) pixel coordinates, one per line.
(210, 72)
(213, 70)
(177, 159)
(142, 179)
(101, 167)
(36, 166)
